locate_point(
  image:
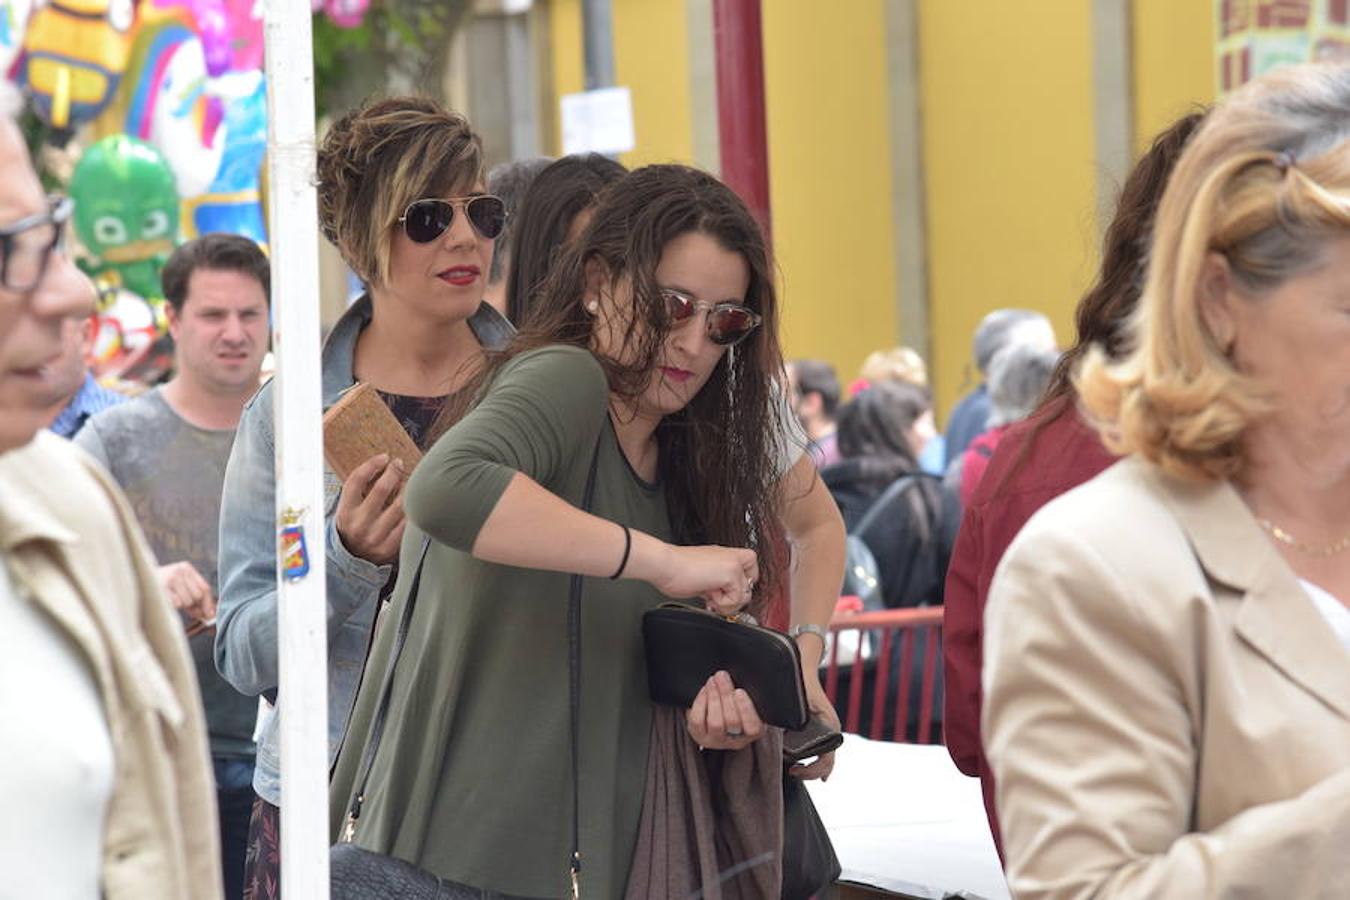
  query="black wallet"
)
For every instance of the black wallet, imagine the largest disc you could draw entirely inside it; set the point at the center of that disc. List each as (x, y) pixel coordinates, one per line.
(687, 645)
(816, 739)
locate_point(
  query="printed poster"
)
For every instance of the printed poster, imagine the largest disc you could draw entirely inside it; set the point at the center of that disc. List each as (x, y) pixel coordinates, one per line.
(1255, 36)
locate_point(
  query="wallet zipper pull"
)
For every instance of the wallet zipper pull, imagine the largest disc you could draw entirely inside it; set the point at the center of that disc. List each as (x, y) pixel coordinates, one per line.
(349, 826)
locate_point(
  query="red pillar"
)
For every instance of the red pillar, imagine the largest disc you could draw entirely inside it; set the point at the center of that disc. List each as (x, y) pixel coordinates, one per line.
(740, 104)
(744, 141)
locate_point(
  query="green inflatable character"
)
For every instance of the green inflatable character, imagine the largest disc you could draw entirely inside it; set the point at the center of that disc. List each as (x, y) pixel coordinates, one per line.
(126, 213)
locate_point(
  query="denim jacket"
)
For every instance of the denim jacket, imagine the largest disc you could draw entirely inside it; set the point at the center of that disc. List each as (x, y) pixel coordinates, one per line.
(246, 635)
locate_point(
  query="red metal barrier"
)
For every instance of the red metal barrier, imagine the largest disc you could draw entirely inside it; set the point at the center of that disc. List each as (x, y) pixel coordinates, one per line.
(901, 641)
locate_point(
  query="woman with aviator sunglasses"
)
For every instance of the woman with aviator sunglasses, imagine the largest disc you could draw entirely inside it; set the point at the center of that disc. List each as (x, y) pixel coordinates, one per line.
(653, 357)
(401, 196)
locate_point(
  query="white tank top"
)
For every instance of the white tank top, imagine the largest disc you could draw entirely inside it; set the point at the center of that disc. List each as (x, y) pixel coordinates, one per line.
(56, 757)
(1335, 612)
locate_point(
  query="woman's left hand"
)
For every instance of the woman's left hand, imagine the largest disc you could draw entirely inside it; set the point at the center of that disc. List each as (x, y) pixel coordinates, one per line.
(821, 707)
(723, 716)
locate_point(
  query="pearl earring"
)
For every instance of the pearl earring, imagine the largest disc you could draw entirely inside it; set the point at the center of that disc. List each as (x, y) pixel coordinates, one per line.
(593, 307)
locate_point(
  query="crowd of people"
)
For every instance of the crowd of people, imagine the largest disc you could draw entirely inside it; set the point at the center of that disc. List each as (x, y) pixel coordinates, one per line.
(1141, 545)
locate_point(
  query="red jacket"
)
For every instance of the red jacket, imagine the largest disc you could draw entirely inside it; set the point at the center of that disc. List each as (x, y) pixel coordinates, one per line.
(1065, 454)
(975, 461)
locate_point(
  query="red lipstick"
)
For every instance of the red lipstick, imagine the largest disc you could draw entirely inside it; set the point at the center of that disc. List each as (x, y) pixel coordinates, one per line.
(460, 276)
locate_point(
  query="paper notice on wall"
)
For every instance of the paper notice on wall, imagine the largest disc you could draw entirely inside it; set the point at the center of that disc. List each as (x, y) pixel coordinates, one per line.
(1255, 36)
(599, 121)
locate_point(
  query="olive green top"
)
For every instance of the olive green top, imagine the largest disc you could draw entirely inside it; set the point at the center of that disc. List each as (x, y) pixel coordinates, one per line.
(472, 779)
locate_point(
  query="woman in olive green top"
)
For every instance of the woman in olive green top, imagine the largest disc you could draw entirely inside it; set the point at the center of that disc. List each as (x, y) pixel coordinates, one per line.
(654, 347)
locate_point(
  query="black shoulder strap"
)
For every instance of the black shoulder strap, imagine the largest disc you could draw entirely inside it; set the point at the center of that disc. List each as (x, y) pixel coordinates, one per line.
(574, 671)
(386, 688)
(897, 487)
(934, 513)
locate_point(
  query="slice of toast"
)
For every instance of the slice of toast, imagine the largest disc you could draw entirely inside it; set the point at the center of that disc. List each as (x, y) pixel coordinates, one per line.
(360, 426)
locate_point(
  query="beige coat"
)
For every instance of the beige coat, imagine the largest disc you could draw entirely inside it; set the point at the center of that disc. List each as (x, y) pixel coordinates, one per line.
(73, 546)
(1166, 711)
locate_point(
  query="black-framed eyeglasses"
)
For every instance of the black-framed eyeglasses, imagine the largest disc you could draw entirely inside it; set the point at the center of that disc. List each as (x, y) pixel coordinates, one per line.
(426, 220)
(26, 245)
(728, 323)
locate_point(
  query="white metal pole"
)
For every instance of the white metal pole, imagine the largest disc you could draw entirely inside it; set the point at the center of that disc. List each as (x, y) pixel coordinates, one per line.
(302, 608)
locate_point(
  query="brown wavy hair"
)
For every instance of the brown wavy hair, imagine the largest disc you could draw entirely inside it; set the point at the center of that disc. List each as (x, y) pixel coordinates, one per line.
(378, 158)
(718, 455)
(559, 193)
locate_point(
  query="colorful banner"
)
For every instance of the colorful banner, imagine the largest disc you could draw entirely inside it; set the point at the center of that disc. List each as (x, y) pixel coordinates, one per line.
(1255, 36)
(168, 101)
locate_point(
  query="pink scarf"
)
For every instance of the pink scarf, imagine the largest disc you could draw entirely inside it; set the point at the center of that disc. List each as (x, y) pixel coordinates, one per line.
(712, 821)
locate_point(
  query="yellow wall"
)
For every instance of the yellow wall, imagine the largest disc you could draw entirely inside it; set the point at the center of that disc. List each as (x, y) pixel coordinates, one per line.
(1174, 66)
(1006, 88)
(1009, 167)
(830, 177)
(651, 58)
(567, 60)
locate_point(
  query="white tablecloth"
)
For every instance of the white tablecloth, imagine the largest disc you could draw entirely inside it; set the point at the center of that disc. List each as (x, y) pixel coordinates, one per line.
(903, 819)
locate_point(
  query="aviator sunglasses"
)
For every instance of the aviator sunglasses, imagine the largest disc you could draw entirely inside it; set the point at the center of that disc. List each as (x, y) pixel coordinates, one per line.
(728, 323)
(426, 220)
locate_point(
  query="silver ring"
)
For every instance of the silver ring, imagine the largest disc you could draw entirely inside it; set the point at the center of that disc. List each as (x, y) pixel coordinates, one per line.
(735, 734)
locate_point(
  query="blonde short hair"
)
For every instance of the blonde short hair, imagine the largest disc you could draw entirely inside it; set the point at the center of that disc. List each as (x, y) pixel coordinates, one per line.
(1265, 183)
(380, 157)
(900, 364)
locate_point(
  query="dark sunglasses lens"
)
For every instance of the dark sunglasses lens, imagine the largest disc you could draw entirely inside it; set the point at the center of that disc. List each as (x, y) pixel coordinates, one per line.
(679, 307)
(427, 220)
(730, 324)
(488, 215)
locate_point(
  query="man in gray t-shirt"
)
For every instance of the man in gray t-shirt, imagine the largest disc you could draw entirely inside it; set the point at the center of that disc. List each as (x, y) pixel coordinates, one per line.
(168, 449)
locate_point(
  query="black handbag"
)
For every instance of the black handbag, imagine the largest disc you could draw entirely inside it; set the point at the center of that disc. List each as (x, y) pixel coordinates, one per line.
(359, 874)
(687, 645)
(809, 862)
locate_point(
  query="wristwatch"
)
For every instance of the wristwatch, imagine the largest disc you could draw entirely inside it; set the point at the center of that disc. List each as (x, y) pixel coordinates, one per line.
(798, 630)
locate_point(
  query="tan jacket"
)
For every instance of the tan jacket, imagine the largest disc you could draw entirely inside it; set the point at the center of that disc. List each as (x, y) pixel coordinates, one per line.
(1167, 713)
(73, 546)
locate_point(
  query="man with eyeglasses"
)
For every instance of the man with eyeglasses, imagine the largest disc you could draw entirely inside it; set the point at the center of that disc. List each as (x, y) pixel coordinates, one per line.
(104, 758)
(167, 449)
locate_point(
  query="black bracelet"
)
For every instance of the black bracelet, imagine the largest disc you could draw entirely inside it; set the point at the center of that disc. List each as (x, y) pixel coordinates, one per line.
(627, 548)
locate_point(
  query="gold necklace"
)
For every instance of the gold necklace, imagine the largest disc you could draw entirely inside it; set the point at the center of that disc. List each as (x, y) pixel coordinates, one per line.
(1285, 537)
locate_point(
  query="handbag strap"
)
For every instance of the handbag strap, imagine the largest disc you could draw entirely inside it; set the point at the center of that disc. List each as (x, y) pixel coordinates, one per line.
(381, 710)
(574, 691)
(912, 481)
(574, 686)
(882, 503)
